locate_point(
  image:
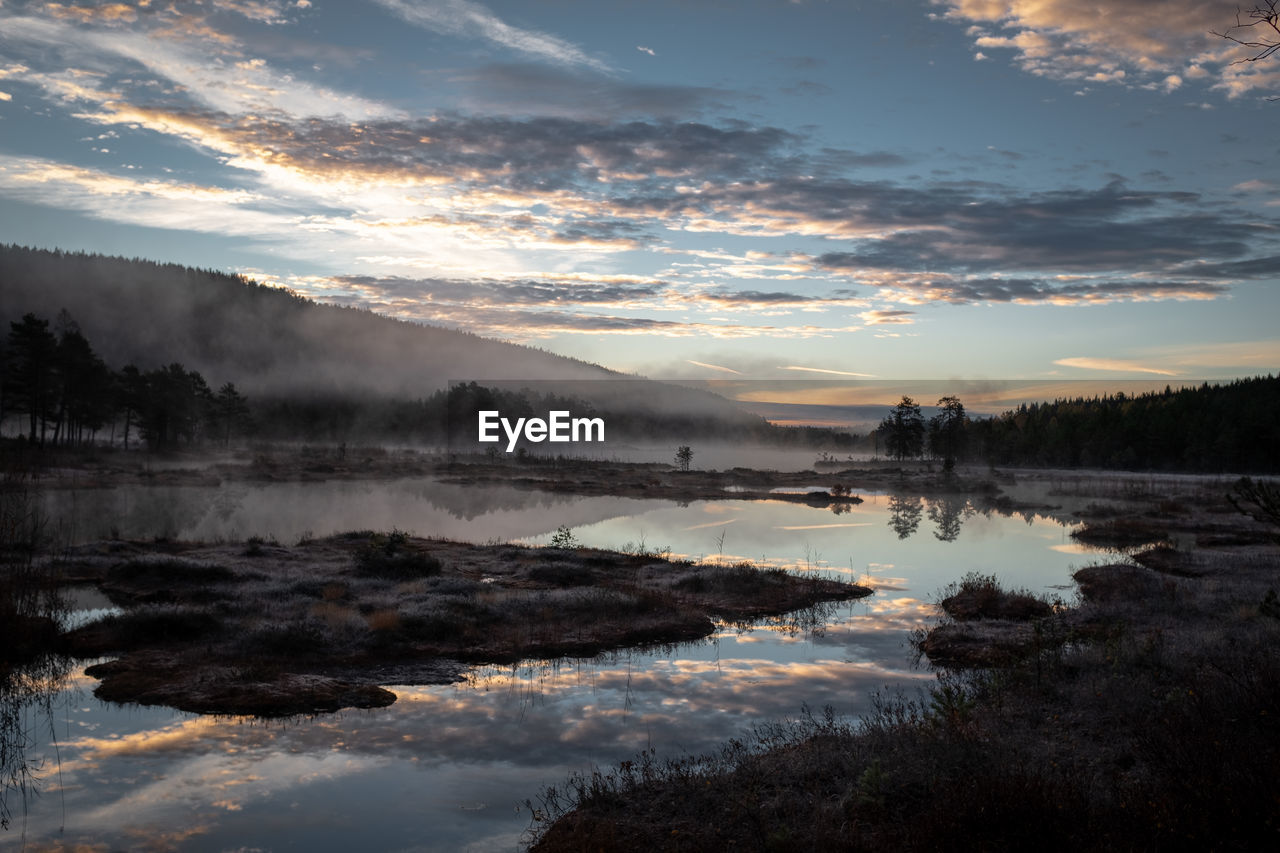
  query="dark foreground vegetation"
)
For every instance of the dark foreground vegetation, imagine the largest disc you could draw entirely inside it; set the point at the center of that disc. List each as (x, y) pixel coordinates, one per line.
(1144, 717)
(269, 629)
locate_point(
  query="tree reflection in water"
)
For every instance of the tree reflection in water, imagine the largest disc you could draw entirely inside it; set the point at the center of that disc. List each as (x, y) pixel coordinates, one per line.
(27, 700)
(904, 514)
(948, 513)
(30, 607)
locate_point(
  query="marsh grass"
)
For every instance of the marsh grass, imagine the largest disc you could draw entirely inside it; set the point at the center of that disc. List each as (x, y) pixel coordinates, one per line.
(366, 598)
(1144, 718)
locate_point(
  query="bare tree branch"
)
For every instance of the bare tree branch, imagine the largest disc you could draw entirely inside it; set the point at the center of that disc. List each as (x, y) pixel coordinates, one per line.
(1262, 16)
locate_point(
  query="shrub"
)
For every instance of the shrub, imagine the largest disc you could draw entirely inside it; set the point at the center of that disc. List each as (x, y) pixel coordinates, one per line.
(980, 596)
(389, 556)
(563, 538)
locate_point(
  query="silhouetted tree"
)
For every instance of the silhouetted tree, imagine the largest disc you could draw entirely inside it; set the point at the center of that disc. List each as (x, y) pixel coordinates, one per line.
(903, 430)
(29, 371)
(230, 409)
(946, 431)
(684, 456)
(176, 404)
(130, 388)
(83, 385)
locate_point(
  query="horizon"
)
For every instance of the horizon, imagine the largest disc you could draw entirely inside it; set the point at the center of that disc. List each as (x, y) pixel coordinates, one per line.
(799, 192)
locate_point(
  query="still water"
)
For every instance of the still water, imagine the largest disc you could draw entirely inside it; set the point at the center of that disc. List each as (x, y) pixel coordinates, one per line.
(446, 767)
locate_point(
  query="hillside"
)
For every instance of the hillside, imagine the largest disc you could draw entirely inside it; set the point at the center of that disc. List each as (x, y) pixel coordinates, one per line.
(269, 341)
(315, 370)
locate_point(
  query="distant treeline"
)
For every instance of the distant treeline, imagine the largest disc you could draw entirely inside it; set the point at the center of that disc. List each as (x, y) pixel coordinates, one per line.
(1231, 427)
(1234, 427)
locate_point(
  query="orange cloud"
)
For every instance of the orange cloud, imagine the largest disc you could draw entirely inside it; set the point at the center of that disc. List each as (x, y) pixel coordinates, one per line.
(1112, 364)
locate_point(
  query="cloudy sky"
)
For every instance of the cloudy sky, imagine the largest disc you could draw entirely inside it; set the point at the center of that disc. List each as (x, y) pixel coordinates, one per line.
(946, 188)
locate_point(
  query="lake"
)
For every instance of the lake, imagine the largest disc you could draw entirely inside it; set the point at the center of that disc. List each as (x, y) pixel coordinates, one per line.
(447, 767)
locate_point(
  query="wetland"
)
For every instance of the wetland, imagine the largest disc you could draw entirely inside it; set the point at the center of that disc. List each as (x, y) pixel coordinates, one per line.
(415, 661)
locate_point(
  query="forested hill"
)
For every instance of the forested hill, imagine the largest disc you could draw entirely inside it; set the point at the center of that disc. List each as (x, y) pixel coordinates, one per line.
(269, 341)
(1232, 427)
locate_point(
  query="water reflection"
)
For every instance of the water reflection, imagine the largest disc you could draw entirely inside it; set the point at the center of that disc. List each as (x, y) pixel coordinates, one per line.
(904, 514)
(444, 767)
(29, 696)
(289, 511)
(948, 512)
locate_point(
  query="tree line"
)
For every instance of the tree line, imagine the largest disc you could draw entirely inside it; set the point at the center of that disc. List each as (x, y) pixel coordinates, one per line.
(62, 393)
(65, 394)
(1230, 427)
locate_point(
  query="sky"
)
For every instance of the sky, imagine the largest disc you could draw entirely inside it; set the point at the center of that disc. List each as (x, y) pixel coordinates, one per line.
(946, 189)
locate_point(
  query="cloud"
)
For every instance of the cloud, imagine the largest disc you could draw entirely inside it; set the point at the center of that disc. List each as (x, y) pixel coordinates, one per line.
(1117, 41)
(759, 301)
(884, 318)
(1263, 354)
(959, 290)
(954, 229)
(530, 89)
(464, 205)
(826, 371)
(548, 184)
(207, 72)
(153, 203)
(1112, 364)
(108, 13)
(531, 308)
(477, 293)
(473, 20)
(504, 155)
(715, 367)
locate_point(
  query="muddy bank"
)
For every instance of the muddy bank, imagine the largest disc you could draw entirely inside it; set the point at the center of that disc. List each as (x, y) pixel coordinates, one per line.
(262, 628)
